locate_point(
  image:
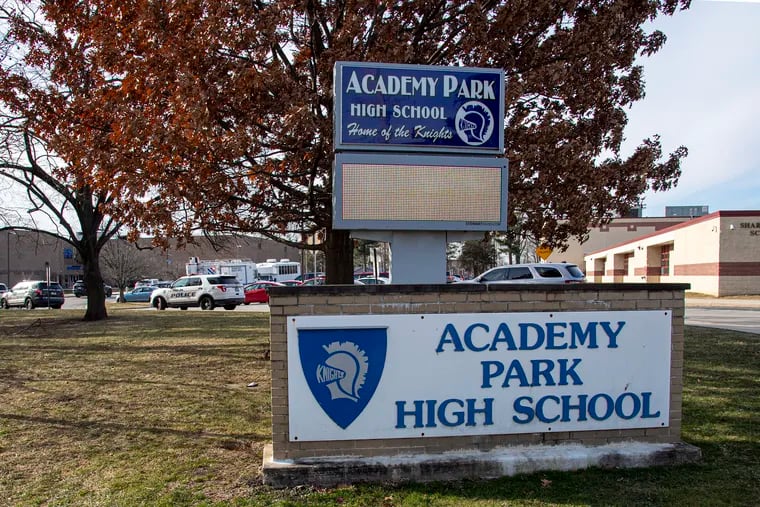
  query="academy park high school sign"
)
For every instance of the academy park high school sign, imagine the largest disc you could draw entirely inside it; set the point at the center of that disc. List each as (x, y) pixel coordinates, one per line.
(414, 143)
(418, 108)
(411, 376)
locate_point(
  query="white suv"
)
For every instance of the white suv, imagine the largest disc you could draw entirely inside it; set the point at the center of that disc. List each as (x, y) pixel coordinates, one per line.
(560, 272)
(204, 291)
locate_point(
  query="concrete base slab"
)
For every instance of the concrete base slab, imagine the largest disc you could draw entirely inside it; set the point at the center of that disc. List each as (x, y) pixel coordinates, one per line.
(332, 471)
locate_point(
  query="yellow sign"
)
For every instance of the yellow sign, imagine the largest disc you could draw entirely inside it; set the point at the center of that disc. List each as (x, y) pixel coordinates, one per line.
(543, 251)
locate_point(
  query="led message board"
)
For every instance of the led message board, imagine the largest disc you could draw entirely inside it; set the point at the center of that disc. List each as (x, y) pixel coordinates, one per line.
(405, 192)
(418, 108)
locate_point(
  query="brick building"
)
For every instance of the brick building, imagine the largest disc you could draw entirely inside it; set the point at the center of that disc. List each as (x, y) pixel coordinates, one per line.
(24, 255)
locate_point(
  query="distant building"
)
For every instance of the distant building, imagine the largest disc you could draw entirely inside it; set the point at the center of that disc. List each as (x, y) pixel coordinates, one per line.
(686, 211)
(718, 254)
(24, 255)
(634, 213)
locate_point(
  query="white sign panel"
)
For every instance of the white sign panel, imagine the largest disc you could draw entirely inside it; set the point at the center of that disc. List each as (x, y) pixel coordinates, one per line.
(405, 376)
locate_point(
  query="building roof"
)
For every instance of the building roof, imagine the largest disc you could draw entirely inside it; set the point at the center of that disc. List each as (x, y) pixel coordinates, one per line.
(687, 223)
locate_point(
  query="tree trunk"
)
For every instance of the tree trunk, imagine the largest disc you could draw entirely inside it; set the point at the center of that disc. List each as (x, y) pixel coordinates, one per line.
(340, 257)
(96, 294)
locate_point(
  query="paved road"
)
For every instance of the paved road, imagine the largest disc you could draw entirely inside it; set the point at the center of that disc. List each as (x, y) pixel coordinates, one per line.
(75, 303)
(747, 321)
(734, 314)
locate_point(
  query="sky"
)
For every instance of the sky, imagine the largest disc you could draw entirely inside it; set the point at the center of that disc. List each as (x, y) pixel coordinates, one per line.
(703, 92)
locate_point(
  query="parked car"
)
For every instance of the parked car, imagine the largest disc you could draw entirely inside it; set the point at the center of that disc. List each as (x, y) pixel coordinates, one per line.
(137, 295)
(204, 291)
(80, 289)
(364, 274)
(148, 282)
(371, 280)
(3, 289)
(308, 276)
(258, 292)
(30, 294)
(320, 280)
(292, 283)
(532, 273)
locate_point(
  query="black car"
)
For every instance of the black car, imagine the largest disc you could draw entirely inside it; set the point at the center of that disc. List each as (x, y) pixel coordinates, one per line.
(30, 294)
(80, 289)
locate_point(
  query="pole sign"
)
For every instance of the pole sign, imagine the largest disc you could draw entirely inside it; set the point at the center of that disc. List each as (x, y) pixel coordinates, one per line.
(354, 377)
(418, 108)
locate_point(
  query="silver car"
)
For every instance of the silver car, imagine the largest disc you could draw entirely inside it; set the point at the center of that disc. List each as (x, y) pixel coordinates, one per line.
(532, 273)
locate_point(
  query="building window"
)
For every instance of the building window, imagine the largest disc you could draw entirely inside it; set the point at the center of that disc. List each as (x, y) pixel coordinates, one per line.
(627, 264)
(665, 259)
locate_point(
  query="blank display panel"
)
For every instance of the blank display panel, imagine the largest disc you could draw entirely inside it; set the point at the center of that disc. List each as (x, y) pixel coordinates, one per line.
(374, 191)
(421, 193)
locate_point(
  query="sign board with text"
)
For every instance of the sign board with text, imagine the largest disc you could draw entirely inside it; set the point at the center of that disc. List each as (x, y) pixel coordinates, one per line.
(418, 108)
(410, 376)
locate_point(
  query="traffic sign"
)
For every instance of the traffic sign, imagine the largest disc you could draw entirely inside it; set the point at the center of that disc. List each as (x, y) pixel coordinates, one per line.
(543, 251)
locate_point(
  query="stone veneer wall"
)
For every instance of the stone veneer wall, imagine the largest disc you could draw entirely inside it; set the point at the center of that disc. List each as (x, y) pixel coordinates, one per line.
(465, 298)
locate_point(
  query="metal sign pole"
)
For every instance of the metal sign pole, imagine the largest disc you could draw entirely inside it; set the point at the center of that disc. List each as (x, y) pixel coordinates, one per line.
(47, 279)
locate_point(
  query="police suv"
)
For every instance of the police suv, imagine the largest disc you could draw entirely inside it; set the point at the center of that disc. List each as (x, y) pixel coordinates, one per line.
(204, 291)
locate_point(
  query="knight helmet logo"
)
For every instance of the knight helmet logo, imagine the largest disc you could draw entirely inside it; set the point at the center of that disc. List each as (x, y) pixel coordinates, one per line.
(474, 123)
(343, 368)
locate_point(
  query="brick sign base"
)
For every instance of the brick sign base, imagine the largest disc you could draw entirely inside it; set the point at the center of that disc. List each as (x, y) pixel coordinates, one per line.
(289, 462)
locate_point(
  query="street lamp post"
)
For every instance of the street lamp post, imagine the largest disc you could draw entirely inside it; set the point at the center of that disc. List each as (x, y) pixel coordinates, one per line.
(8, 233)
(47, 281)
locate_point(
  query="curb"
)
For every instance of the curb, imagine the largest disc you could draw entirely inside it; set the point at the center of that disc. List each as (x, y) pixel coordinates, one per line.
(736, 304)
(328, 472)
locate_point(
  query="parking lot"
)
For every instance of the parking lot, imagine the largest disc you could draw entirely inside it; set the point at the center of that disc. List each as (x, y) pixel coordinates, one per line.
(734, 314)
(75, 303)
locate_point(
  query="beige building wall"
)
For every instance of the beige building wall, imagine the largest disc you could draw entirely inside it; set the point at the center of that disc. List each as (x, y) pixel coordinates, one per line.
(739, 268)
(619, 230)
(717, 254)
(696, 253)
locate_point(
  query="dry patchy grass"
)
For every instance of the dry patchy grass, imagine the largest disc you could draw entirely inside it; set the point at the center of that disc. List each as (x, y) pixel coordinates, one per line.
(138, 404)
(153, 408)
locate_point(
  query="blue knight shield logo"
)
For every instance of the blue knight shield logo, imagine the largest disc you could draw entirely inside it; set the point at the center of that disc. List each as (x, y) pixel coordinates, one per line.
(343, 368)
(474, 123)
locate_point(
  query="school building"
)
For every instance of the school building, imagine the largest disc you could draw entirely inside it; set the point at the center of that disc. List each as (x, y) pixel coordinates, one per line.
(718, 254)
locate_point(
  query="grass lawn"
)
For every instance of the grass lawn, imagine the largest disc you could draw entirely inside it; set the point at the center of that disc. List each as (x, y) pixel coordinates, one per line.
(154, 408)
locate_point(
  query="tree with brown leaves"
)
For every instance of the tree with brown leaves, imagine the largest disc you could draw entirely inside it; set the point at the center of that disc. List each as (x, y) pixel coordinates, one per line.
(46, 91)
(218, 115)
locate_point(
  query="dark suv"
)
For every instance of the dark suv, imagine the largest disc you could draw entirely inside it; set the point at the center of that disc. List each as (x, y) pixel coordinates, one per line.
(30, 294)
(80, 289)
